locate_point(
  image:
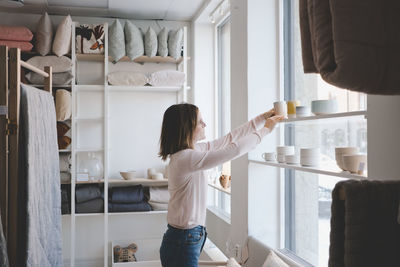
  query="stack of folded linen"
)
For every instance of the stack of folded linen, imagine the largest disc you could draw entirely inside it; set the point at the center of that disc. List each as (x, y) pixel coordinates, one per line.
(65, 200)
(159, 197)
(89, 199)
(16, 36)
(127, 199)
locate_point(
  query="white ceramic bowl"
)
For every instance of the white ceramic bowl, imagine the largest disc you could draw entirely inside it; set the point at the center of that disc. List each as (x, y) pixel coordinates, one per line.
(269, 156)
(281, 158)
(292, 159)
(309, 161)
(319, 107)
(303, 111)
(157, 176)
(128, 175)
(340, 151)
(309, 152)
(285, 150)
(352, 162)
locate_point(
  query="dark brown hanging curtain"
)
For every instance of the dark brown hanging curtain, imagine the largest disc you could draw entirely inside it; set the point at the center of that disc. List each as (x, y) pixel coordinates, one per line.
(353, 44)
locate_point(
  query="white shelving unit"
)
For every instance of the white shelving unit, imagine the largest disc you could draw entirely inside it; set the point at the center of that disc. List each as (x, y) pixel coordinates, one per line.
(220, 188)
(102, 114)
(328, 116)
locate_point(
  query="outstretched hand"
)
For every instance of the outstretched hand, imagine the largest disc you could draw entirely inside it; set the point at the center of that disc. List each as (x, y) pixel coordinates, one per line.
(269, 113)
(272, 121)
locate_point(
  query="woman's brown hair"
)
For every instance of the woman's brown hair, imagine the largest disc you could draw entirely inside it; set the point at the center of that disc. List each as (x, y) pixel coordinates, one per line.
(177, 130)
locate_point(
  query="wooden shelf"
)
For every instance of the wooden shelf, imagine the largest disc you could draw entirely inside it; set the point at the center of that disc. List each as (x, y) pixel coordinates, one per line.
(142, 181)
(54, 85)
(90, 88)
(327, 116)
(90, 182)
(142, 59)
(89, 150)
(220, 188)
(325, 169)
(138, 213)
(68, 150)
(167, 89)
(88, 214)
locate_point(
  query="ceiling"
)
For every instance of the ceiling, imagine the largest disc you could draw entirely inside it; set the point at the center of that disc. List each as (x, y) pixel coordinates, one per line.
(182, 10)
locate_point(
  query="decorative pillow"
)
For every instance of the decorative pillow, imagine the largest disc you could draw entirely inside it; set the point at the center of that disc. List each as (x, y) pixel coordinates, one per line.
(133, 41)
(58, 64)
(167, 78)
(62, 128)
(90, 39)
(163, 43)
(273, 260)
(150, 43)
(126, 254)
(63, 105)
(127, 78)
(59, 78)
(24, 46)
(15, 33)
(62, 40)
(175, 40)
(44, 35)
(116, 41)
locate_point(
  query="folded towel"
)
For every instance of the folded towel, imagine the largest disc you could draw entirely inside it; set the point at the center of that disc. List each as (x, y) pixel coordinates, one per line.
(158, 205)
(159, 194)
(86, 193)
(129, 194)
(91, 206)
(131, 207)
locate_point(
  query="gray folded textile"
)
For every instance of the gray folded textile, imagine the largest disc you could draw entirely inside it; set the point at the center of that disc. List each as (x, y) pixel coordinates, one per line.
(91, 206)
(158, 205)
(60, 78)
(129, 194)
(39, 227)
(128, 207)
(159, 194)
(3, 248)
(86, 193)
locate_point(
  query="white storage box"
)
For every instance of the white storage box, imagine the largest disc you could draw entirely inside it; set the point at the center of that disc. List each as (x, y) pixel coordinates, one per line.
(147, 255)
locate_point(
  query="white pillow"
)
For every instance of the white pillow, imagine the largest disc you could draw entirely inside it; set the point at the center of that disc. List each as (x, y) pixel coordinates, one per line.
(63, 105)
(58, 64)
(62, 40)
(167, 78)
(133, 41)
(127, 78)
(150, 43)
(273, 260)
(44, 35)
(175, 40)
(162, 39)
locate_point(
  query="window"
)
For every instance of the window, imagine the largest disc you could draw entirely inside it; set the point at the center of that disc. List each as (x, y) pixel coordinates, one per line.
(222, 201)
(308, 195)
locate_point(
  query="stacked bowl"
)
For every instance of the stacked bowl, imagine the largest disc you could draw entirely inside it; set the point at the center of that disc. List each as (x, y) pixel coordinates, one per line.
(348, 159)
(309, 156)
(282, 151)
(340, 151)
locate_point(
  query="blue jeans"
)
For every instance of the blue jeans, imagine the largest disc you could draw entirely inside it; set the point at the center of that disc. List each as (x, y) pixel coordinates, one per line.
(182, 247)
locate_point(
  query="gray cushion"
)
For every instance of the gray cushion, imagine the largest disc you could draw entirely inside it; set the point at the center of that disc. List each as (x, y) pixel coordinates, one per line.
(60, 78)
(150, 43)
(58, 64)
(44, 35)
(62, 40)
(163, 43)
(116, 41)
(133, 41)
(175, 40)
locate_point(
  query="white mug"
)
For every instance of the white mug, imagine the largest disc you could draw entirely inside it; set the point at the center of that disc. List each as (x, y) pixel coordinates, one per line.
(150, 172)
(280, 108)
(269, 156)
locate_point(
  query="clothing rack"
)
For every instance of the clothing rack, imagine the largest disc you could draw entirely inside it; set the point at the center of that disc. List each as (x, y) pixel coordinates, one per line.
(10, 82)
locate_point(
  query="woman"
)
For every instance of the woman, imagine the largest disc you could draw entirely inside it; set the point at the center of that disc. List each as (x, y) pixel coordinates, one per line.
(182, 128)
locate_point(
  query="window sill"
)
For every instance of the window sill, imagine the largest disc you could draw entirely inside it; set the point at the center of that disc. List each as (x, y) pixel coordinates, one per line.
(220, 214)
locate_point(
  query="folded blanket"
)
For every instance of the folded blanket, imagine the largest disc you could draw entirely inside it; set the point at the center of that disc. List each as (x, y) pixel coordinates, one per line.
(131, 207)
(86, 193)
(353, 44)
(129, 194)
(365, 229)
(158, 205)
(24, 46)
(159, 194)
(91, 206)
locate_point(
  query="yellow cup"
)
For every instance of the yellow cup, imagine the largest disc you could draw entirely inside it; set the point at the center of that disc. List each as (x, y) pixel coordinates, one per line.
(291, 107)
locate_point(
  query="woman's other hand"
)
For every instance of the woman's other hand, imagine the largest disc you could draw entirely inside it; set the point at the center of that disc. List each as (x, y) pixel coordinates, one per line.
(272, 121)
(269, 113)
